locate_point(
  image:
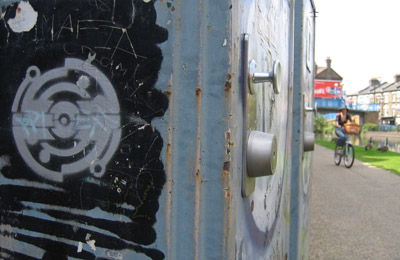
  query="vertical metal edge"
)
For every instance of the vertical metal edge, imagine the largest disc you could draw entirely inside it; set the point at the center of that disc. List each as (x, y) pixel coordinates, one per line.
(216, 91)
(199, 141)
(248, 184)
(297, 131)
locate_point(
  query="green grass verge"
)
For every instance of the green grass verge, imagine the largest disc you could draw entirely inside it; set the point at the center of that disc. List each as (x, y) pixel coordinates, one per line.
(388, 160)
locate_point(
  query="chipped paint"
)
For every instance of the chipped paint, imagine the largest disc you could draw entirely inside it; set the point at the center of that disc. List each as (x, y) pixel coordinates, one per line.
(228, 83)
(25, 18)
(80, 247)
(91, 244)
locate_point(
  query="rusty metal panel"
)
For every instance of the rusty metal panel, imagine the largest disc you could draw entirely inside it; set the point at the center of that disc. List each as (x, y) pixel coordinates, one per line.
(113, 139)
(125, 126)
(196, 73)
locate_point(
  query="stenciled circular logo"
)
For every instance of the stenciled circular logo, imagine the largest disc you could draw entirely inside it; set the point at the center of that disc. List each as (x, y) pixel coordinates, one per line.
(66, 121)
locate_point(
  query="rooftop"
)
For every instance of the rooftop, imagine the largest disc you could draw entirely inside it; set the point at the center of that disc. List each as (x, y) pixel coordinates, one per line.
(327, 73)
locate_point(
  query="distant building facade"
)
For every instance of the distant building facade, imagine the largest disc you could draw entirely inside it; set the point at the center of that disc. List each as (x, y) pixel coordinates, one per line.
(328, 92)
(384, 97)
(328, 83)
(329, 96)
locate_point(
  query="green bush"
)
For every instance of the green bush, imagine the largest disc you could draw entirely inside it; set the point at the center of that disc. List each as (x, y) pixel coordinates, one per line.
(320, 124)
(323, 126)
(330, 128)
(370, 127)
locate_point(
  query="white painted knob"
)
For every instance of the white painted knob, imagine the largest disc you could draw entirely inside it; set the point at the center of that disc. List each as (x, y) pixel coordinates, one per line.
(309, 140)
(261, 154)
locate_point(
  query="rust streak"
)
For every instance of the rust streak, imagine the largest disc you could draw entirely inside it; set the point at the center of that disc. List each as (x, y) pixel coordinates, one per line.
(168, 185)
(197, 189)
(228, 83)
(198, 141)
(225, 180)
(198, 178)
(228, 135)
(198, 149)
(169, 154)
(227, 167)
(227, 86)
(198, 92)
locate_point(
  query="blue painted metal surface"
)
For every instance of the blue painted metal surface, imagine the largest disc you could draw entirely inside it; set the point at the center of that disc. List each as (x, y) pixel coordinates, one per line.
(192, 223)
(303, 82)
(366, 107)
(338, 103)
(386, 128)
(331, 103)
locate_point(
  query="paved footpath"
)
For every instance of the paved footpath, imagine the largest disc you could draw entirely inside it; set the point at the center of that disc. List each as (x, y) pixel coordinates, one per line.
(355, 213)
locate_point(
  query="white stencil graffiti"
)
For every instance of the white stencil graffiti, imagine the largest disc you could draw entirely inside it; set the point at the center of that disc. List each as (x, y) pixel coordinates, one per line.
(66, 120)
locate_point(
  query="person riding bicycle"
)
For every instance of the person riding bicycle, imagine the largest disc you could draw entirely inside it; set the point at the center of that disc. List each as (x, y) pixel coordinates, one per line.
(342, 118)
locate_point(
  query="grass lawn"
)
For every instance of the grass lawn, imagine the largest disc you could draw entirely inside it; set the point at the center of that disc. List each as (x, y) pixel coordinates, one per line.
(388, 160)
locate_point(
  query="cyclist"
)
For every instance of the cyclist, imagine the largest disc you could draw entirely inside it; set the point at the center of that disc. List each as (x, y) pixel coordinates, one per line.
(342, 118)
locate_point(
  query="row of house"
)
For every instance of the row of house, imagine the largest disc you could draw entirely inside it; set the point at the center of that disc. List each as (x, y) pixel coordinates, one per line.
(380, 101)
(384, 97)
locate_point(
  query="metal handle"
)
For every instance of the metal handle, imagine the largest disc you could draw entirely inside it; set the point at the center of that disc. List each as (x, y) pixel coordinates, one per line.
(311, 109)
(273, 76)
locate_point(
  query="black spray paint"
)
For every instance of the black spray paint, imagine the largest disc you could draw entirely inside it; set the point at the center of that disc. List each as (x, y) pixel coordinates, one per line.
(106, 190)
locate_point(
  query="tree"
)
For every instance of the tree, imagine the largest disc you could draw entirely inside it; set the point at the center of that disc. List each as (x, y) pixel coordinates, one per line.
(320, 123)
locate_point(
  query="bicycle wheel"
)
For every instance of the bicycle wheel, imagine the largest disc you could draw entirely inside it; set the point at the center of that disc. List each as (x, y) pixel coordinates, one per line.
(349, 156)
(337, 157)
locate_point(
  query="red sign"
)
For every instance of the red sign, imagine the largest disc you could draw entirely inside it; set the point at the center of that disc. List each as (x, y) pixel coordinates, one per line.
(327, 89)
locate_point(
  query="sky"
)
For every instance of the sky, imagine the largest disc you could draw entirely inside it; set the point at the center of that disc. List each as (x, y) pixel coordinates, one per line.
(362, 38)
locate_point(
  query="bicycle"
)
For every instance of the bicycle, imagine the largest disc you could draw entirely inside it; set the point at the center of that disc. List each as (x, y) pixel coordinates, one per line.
(348, 150)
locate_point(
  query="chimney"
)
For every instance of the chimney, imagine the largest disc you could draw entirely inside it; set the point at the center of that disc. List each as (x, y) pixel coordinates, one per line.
(374, 82)
(328, 62)
(397, 78)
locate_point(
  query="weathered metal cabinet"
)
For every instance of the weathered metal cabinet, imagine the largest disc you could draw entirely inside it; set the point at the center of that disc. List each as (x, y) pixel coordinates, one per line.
(142, 129)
